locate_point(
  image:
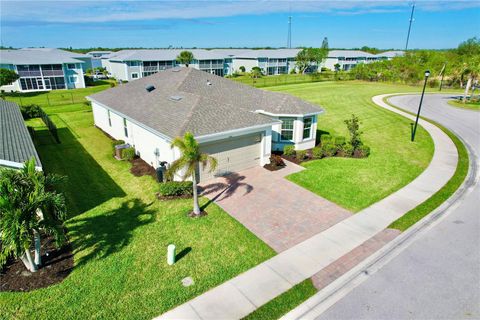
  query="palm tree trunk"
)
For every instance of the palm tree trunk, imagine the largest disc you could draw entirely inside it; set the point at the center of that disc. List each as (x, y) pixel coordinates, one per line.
(467, 88)
(38, 246)
(28, 261)
(196, 207)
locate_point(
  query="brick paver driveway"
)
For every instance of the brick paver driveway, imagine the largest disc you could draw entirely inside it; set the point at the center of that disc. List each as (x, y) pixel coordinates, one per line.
(278, 211)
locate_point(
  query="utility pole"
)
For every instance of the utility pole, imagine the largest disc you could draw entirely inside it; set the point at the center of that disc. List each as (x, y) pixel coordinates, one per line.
(410, 25)
(289, 38)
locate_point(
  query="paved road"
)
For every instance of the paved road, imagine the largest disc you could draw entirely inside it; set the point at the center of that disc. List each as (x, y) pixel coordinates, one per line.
(438, 276)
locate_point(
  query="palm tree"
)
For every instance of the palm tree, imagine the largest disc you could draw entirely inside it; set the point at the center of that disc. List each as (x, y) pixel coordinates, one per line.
(185, 57)
(29, 206)
(190, 159)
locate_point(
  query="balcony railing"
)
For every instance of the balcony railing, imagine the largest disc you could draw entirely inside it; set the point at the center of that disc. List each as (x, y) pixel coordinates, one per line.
(150, 69)
(48, 73)
(30, 73)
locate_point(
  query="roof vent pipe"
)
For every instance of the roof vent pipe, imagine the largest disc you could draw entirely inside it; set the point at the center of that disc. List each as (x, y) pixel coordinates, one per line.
(209, 83)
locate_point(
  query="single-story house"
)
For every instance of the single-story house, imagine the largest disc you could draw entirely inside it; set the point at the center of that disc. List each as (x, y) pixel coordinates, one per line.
(16, 145)
(238, 124)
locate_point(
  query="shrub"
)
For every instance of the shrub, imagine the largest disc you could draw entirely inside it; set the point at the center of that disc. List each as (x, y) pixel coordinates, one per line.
(116, 143)
(128, 153)
(31, 111)
(87, 103)
(293, 71)
(176, 188)
(301, 154)
(317, 153)
(329, 149)
(340, 140)
(276, 161)
(242, 69)
(325, 139)
(361, 152)
(289, 150)
(345, 150)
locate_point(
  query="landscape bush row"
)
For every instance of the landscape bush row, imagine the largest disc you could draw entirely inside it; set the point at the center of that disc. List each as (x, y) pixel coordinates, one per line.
(333, 146)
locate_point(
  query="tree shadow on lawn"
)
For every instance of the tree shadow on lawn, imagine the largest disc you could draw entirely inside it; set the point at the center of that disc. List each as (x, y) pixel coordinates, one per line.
(87, 184)
(108, 232)
(233, 182)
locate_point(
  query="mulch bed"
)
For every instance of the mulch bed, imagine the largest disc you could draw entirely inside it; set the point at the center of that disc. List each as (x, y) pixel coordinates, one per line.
(185, 196)
(141, 168)
(272, 167)
(57, 265)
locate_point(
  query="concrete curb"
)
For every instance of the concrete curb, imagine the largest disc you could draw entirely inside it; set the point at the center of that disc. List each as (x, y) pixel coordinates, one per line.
(324, 299)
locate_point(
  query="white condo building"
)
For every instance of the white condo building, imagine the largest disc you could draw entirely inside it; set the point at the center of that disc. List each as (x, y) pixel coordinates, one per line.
(42, 69)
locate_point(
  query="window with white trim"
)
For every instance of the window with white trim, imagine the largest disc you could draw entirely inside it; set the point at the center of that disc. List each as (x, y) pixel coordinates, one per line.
(72, 79)
(134, 75)
(286, 134)
(125, 128)
(307, 128)
(71, 66)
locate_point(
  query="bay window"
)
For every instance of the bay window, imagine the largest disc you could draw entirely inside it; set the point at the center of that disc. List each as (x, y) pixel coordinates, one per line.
(307, 128)
(286, 133)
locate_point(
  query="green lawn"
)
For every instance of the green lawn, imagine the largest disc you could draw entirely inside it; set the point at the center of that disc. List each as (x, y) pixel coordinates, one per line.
(283, 79)
(394, 161)
(58, 100)
(473, 105)
(120, 233)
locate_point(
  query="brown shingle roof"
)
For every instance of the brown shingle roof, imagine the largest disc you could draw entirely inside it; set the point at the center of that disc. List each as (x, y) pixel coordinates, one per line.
(208, 104)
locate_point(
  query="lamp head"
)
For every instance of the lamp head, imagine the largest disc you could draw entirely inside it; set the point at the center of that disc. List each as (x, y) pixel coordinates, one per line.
(427, 73)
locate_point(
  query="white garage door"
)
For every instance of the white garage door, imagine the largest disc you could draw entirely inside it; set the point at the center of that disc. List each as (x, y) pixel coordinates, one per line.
(233, 155)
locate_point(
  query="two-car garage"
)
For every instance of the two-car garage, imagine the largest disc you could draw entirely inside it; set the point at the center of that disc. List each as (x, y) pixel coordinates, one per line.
(233, 154)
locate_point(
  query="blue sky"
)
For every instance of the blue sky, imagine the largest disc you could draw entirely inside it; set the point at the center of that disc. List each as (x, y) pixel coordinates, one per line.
(347, 24)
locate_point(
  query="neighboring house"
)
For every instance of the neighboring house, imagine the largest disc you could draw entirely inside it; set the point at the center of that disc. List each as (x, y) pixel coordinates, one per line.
(42, 69)
(16, 145)
(389, 55)
(130, 65)
(97, 57)
(271, 61)
(237, 124)
(348, 59)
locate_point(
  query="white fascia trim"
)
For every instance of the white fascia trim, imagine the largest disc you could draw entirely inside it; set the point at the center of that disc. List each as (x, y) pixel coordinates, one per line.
(212, 136)
(155, 132)
(15, 165)
(288, 115)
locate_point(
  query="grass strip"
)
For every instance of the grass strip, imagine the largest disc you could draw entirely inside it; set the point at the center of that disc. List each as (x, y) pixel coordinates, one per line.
(284, 302)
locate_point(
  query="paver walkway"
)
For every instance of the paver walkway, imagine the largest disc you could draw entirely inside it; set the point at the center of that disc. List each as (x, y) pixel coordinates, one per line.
(243, 294)
(278, 211)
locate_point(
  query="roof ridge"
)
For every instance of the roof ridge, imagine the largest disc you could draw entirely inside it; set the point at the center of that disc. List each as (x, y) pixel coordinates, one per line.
(190, 114)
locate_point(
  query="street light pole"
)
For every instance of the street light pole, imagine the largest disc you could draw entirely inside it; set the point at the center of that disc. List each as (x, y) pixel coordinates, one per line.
(427, 74)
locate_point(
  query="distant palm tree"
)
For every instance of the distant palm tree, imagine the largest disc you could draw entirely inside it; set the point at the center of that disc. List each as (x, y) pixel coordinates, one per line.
(190, 159)
(29, 205)
(185, 57)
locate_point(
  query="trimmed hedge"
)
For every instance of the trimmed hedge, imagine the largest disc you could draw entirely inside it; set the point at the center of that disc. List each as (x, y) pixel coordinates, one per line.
(176, 188)
(289, 150)
(301, 154)
(128, 153)
(31, 111)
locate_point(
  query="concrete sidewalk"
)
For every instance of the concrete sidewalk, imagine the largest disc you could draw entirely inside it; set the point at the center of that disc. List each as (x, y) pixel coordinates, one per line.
(243, 294)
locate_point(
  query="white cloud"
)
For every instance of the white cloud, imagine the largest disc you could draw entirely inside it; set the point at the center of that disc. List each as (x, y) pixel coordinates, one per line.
(91, 11)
